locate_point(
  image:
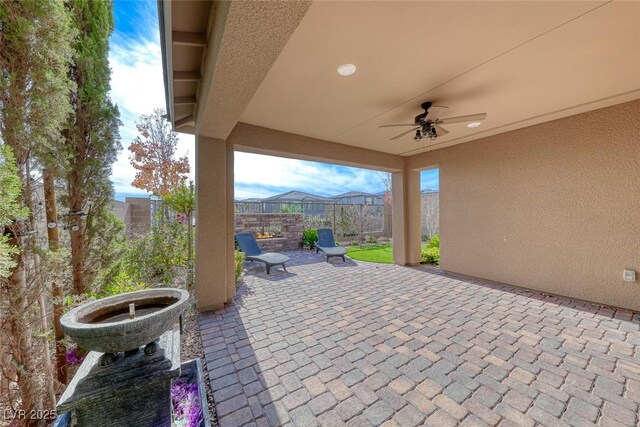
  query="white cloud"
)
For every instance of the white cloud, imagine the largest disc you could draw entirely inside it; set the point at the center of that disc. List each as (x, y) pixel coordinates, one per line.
(136, 77)
(281, 174)
(137, 87)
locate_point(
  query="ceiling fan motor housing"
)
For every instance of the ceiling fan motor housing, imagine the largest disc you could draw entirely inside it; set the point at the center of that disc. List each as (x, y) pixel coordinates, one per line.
(419, 119)
(427, 123)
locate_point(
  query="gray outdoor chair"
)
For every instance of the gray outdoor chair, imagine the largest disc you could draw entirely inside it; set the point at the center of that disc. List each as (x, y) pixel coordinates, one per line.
(252, 252)
(327, 245)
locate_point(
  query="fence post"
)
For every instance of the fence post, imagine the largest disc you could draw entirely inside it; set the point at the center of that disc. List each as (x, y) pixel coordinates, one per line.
(334, 218)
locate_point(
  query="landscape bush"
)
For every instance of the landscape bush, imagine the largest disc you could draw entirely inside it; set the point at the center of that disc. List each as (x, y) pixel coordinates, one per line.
(120, 283)
(154, 257)
(431, 251)
(239, 264)
(351, 220)
(309, 238)
(291, 208)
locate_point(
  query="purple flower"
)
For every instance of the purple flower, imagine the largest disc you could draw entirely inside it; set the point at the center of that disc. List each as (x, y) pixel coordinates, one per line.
(186, 404)
(75, 356)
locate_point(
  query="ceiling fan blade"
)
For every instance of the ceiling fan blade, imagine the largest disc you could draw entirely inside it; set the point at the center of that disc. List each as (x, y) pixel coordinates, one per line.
(440, 131)
(392, 126)
(435, 112)
(404, 133)
(459, 119)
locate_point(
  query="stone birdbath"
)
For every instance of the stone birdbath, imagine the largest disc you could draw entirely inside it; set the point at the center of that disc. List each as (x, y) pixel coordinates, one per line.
(125, 322)
(117, 384)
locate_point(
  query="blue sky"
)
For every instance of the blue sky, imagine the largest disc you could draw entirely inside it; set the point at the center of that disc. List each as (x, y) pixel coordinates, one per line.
(137, 88)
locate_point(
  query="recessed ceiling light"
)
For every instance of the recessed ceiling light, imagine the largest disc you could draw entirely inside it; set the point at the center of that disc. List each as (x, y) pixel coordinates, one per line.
(474, 124)
(346, 69)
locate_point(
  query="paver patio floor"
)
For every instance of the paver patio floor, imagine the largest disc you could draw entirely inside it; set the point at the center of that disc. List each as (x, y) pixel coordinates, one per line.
(371, 344)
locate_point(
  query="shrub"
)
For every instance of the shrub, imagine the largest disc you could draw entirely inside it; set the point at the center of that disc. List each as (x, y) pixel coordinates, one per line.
(239, 263)
(431, 255)
(316, 222)
(351, 220)
(355, 243)
(309, 238)
(431, 252)
(370, 239)
(291, 208)
(182, 201)
(154, 257)
(120, 283)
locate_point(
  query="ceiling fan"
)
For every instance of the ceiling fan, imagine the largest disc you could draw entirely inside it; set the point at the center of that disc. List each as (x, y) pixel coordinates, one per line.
(426, 125)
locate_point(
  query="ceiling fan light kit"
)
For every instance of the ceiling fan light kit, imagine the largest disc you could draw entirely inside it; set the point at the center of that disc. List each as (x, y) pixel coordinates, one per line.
(426, 125)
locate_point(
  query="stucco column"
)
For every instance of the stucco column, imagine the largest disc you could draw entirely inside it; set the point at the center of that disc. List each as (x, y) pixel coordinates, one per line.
(215, 282)
(405, 191)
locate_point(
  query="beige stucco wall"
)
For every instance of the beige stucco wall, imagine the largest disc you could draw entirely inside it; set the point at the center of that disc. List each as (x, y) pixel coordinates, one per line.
(405, 202)
(554, 207)
(271, 142)
(214, 272)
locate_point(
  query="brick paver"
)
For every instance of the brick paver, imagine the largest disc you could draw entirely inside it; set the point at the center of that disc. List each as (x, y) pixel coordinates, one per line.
(363, 344)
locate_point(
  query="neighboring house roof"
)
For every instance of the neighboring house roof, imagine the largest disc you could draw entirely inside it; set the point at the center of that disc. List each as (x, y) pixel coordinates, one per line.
(296, 196)
(354, 194)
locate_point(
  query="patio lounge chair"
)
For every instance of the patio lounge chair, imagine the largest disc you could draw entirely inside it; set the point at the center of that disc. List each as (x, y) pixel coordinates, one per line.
(328, 246)
(252, 252)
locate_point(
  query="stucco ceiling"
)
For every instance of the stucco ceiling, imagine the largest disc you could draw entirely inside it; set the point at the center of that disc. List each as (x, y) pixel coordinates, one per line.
(520, 62)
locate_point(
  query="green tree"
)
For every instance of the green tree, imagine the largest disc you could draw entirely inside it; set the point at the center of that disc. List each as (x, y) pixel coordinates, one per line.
(182, 201)
(35, 41)
(92, 143)
(153, 156)
(10, 209)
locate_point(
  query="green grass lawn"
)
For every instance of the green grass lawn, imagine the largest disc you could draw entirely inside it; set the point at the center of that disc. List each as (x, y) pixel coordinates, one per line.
(381, 253)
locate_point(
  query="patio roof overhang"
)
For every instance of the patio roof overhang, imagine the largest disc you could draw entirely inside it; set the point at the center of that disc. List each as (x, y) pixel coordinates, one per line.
(220, 50)
(183, 38)
(273, 64)
(261, 77)
(261, 140)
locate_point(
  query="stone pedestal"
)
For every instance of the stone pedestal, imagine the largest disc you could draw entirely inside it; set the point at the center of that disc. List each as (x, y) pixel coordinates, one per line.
(132, 391)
